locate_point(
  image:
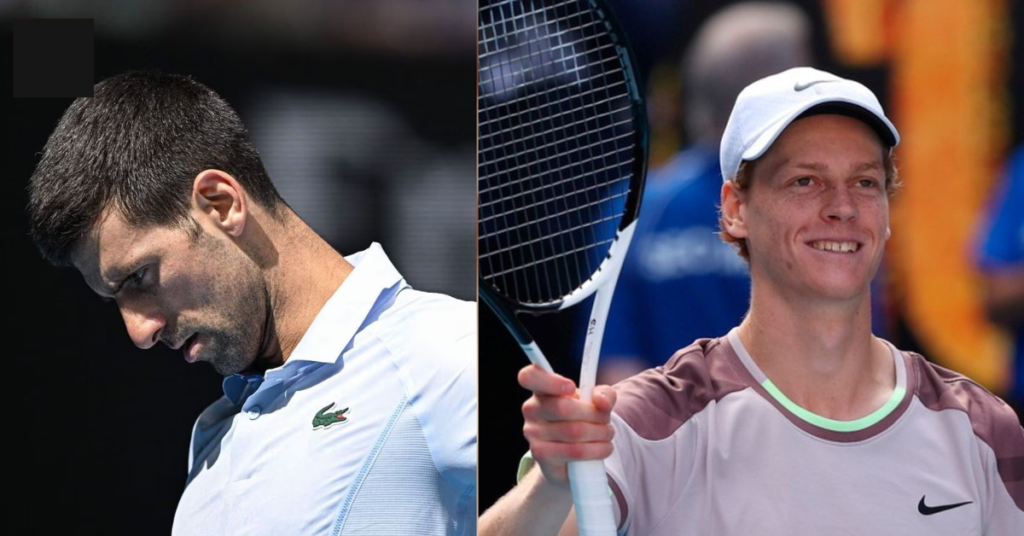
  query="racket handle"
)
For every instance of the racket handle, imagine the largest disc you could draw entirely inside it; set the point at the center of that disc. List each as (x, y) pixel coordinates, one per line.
(590, 495)
(536, 356)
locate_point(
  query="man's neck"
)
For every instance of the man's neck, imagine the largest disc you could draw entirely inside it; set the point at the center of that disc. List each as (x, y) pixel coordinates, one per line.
(821, 355)
(307, 272)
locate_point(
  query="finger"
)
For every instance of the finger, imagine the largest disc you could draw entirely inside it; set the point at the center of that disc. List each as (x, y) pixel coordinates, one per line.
(563, 408)
(603, 398)
(548, 452)
(538, 380)
(568, 432)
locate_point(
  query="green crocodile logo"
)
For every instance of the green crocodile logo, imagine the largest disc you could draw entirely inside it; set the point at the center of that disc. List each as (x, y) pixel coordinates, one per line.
(326, 419)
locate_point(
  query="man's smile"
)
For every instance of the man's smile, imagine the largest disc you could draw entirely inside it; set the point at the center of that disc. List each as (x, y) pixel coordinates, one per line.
(836, 246)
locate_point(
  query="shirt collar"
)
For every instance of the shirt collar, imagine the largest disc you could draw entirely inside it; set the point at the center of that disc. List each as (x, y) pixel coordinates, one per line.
(337, 322)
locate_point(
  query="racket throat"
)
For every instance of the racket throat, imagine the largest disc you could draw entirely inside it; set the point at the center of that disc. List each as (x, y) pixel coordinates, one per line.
(599, 313)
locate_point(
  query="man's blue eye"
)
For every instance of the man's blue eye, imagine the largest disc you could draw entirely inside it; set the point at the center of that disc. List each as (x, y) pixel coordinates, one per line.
(803, 181)
(138, 275)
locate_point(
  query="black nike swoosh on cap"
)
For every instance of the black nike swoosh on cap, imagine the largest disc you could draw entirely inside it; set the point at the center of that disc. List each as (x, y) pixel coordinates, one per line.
(800, 86)
(929, 510)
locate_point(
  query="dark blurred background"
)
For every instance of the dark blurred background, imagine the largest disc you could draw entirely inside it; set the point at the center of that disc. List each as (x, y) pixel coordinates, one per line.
(364, 114)
(951, 76)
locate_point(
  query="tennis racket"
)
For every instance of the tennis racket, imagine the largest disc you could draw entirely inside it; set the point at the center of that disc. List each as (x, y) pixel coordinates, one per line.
(562, 156)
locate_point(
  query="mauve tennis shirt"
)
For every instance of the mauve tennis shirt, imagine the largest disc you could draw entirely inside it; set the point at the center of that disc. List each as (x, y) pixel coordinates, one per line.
(707, 445)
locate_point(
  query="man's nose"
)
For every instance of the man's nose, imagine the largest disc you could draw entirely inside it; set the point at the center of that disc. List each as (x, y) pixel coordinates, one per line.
(840, 205)
(144, 328)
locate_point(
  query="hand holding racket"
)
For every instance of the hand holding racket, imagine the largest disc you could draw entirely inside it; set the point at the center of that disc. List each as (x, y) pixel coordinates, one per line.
(561, 161)
(561, 428)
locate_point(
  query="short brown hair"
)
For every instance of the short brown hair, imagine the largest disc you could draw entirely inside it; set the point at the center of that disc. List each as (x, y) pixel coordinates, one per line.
(742, 183)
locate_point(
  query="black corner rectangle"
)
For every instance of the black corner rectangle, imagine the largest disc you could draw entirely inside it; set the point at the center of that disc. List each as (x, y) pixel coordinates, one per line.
(53, 57)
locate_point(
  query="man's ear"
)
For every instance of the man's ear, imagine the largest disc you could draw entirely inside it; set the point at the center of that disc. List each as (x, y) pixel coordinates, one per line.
(734, 210)
(219, 197)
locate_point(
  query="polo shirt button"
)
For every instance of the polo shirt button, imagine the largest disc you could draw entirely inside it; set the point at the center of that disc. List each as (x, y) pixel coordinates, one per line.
(254, 413)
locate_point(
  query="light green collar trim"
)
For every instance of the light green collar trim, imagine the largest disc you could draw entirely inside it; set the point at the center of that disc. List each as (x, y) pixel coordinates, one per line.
(899, 392)
(831, 424)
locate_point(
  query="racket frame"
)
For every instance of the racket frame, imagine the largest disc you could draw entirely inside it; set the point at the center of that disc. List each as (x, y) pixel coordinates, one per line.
(588, 480)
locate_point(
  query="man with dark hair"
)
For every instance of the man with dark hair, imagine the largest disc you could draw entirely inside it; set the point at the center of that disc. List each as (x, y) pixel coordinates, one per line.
(799, 420)
(350, 398)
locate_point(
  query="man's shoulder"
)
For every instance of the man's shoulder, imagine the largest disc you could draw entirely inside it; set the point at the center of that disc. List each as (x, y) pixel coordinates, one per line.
(992, 420)
(426, 330)
(425, 314)
(658, 401)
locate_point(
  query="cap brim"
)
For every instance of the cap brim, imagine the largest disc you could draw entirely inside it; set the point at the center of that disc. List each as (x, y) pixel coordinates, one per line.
(880, 124)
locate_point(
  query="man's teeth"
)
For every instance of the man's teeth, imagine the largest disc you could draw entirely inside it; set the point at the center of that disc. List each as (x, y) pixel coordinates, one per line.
(838, 247)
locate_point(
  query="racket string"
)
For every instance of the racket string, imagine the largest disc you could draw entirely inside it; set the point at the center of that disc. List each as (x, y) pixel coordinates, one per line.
(627, 144)
(596, 186)
(546, 277)
(559, 115)
(556, 136)
(587, 153)
(506, 73)
(531, 25)
(542, 238)
(495, 9)
(532, 263)
(514, 287)
(626, 137)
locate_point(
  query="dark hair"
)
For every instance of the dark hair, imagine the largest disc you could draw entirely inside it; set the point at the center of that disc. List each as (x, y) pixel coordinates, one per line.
(746, 172)
(136, 146)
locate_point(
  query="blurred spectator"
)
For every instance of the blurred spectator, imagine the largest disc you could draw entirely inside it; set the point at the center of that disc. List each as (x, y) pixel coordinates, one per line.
(1001, 258)
(680, 281)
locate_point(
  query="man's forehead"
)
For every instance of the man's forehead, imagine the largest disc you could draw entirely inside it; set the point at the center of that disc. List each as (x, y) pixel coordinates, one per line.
(801, 162)
(789, 150)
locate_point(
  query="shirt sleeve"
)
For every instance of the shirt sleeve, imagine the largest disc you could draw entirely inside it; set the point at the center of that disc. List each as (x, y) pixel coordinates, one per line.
(1005, 491)
(648, 476)
(438, 367)
(1001, 450)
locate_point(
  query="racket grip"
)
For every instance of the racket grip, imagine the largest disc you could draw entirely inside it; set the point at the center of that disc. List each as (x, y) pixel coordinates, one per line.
(594, 516)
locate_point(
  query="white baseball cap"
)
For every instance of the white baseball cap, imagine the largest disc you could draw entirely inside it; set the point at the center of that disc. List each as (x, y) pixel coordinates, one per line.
(765, 108)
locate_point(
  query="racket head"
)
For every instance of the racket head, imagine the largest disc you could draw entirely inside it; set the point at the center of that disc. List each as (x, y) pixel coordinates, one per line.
(562, 150)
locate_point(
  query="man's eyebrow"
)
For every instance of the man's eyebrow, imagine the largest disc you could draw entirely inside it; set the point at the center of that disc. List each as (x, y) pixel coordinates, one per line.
(866, 166)
(814, 166)
(790, 163)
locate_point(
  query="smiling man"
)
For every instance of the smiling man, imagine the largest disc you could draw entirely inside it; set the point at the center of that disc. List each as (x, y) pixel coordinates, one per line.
(349, 399)
(799, 420)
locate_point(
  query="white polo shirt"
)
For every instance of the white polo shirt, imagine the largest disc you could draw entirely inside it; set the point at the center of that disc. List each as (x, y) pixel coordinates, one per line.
(368, 428)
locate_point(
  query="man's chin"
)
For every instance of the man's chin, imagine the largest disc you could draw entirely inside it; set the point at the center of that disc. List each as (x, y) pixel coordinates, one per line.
(248, 371)
(230, 369)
